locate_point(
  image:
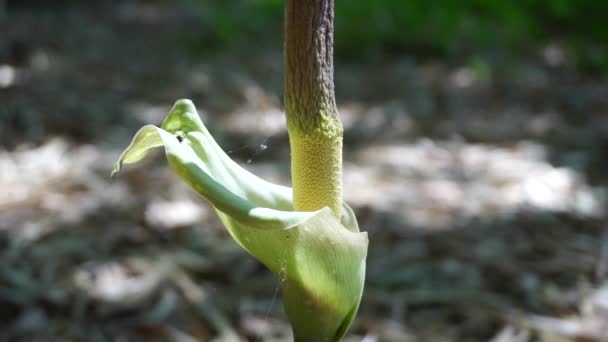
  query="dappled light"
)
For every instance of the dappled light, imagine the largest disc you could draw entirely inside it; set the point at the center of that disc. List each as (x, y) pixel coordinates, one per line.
(8, 76)
(477, 164)
(435, 184)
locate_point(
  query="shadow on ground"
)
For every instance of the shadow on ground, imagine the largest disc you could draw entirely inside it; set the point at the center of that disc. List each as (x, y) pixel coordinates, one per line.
(481, 190)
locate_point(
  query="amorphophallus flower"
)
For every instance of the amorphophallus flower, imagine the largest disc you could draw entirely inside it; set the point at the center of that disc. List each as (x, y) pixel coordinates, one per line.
(318, 256)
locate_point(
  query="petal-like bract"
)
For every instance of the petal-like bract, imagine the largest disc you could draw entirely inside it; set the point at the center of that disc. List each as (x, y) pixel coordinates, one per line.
(318, 258)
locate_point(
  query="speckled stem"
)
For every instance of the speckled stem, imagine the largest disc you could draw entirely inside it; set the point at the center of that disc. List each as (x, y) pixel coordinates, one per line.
(315, 130)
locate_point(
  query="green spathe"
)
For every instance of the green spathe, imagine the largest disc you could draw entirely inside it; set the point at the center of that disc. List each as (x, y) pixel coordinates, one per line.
(319, 260)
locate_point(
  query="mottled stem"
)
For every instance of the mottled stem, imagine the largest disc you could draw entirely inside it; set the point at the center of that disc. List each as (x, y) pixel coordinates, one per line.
(315, 130)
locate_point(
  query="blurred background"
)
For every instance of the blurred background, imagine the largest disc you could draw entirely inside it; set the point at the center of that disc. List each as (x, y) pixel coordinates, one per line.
(476, 157)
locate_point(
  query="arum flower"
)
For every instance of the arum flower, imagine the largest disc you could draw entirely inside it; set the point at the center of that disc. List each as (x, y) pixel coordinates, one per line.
(318, 256)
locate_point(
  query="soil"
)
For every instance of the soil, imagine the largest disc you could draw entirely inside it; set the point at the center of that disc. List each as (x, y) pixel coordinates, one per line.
(481, 183)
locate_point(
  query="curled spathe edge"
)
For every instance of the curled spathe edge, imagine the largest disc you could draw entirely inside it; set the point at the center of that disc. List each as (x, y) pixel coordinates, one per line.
(318, 257)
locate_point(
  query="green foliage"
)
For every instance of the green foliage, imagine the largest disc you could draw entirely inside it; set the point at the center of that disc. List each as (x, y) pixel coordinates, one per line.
(437, 27)
(225, 22)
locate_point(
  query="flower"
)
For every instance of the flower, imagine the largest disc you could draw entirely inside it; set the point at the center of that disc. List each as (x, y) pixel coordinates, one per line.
(318, 258)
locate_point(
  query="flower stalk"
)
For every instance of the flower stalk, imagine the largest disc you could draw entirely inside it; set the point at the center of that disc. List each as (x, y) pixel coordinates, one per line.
(315, 130)
(308, 237)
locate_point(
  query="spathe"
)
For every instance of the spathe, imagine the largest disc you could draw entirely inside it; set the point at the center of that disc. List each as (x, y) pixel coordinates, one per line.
(319, 259)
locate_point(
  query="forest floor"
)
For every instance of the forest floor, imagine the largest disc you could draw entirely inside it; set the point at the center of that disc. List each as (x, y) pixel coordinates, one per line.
(481, 185)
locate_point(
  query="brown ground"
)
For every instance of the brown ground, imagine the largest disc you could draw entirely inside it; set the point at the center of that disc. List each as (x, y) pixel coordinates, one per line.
(482, 187)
